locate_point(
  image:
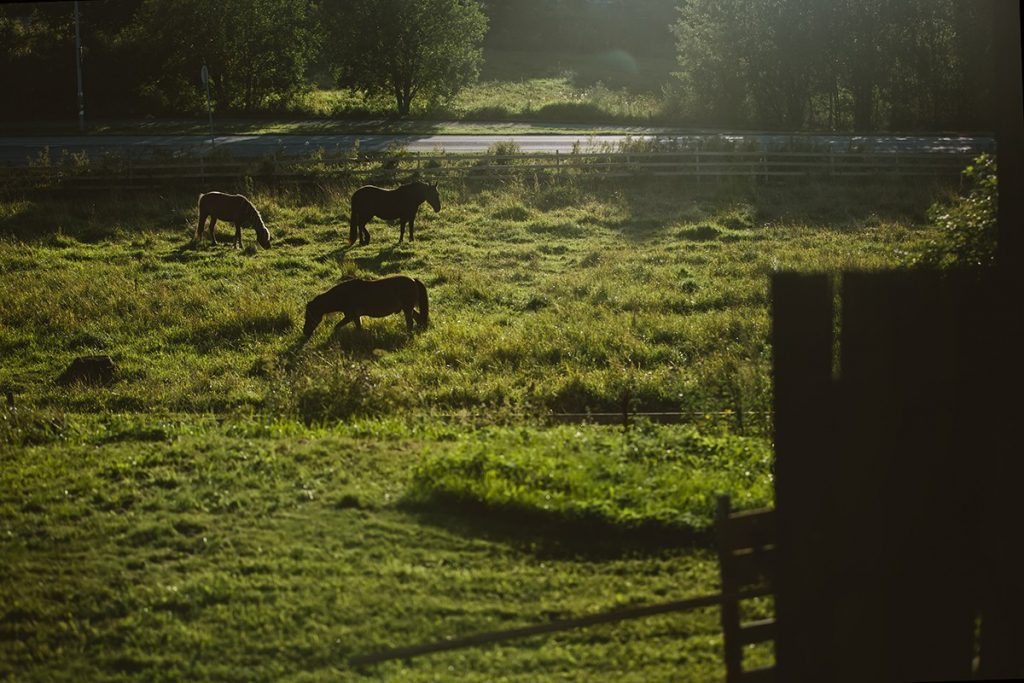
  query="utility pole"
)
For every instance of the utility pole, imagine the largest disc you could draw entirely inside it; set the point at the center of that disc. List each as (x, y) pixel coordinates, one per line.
(78, 66)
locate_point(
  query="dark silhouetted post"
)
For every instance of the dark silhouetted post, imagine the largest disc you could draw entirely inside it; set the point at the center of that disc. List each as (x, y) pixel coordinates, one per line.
(78, 68)
(802, 347)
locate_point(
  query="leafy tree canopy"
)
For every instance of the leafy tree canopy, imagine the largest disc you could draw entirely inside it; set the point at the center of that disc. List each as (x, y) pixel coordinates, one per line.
(408, 48)
(256, 51)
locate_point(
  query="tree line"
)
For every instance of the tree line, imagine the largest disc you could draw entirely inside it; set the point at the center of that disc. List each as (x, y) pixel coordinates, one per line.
(836, 64)
(773, 64)
(144, 57)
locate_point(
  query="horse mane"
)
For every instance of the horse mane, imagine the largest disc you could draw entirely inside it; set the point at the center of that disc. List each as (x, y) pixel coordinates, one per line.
(255, 215)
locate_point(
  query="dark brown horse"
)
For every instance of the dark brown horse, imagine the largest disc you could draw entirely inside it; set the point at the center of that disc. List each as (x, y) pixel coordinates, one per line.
(233, 208)
(402, 203)
(375, 298)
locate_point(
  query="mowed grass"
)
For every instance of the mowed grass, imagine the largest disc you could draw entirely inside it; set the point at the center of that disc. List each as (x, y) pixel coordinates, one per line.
(239, 505)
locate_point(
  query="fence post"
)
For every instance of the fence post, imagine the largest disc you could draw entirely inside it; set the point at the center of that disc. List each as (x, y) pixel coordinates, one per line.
(557, 162)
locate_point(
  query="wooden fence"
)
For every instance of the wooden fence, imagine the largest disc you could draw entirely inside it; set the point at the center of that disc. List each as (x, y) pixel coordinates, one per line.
(130, 172)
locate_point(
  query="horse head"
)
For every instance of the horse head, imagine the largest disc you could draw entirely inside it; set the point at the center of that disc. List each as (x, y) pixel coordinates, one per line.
(263, 236)
(313, 318)
(433, 198)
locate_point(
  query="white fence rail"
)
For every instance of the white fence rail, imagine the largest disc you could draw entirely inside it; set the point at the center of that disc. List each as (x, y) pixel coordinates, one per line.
(124, 172)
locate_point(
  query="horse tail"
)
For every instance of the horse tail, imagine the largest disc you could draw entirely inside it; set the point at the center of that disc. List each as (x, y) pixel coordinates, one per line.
(424, 316)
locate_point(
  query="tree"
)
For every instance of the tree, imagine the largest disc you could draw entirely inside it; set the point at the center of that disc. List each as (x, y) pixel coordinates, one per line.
(256, 50)
(713, 67)
(866, 64)
(407, 48)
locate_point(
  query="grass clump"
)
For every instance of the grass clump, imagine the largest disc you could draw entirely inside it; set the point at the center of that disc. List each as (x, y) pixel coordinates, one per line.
(646, 477)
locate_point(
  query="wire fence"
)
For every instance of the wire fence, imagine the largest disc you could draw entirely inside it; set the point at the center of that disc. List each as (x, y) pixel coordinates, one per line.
(147, 170)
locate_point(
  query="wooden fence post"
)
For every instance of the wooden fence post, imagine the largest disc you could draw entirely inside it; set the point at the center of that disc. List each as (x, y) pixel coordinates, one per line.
(802, 343)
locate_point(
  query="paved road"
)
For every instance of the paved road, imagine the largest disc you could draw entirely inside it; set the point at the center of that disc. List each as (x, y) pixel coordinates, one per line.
(16, 151)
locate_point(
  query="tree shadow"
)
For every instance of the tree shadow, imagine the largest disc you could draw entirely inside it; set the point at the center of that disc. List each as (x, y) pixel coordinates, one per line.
(655, 208)
(551, 536)
(55, 218)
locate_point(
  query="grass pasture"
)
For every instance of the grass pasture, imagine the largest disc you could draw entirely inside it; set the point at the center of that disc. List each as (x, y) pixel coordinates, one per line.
(238, 505)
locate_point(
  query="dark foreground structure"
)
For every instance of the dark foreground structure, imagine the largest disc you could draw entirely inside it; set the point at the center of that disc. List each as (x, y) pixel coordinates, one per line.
(898, 457)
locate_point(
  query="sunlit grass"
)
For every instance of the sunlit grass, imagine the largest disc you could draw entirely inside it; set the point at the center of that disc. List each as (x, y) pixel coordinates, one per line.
(240, 505)
(563, 300)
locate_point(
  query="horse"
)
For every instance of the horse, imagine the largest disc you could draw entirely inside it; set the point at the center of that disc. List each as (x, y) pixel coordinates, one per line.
(376, 298)
(402, 203)
(233, 208)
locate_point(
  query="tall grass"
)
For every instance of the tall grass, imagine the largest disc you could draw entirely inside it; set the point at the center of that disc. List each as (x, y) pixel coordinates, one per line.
(560, 296)
(242, 505)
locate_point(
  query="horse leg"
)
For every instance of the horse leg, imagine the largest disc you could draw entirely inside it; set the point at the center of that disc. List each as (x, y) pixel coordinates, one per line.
(412, 219)
(238, 236)
(345, 321)
(408, 318)
(213, 231)
(364, 234)
(401, 231)
(199, 228)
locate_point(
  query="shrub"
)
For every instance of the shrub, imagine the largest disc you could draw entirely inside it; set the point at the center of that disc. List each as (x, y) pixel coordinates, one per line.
(968, 223)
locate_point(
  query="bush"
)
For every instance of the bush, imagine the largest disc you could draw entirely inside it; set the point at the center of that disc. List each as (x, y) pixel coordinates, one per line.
(968, 223)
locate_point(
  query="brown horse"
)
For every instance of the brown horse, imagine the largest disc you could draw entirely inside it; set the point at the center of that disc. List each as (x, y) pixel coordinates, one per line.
(402, 203)
(233, 208)
(375, 298)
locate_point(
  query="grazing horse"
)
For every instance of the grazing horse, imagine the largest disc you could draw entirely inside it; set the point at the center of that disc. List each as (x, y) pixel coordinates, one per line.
(402, 203)
(375, 298)
(233, 208)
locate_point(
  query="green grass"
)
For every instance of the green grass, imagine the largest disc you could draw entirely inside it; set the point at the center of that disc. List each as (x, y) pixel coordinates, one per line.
(137, 549)
(557, 297)
(240, 505)
(647, 478)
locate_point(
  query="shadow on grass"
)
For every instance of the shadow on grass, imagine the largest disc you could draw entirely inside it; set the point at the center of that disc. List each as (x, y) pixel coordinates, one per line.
(378, 335)
(388, 261)
(550, 535)
(742, 204)
(56, 216)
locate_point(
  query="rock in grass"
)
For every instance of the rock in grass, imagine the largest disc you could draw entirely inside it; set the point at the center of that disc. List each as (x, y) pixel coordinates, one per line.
(89, 370)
